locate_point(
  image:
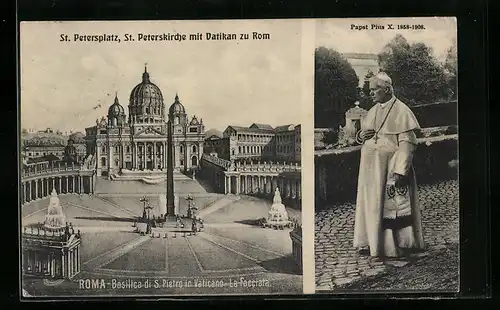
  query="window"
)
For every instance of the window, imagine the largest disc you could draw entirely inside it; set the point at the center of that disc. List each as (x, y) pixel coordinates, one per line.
(128, 148)
(182, 149)
(176, 120)
(194, 148)
(103, 161)
(182, 162)
(193, 129)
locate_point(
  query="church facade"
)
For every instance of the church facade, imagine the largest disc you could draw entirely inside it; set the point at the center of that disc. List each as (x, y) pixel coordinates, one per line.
(139, 143)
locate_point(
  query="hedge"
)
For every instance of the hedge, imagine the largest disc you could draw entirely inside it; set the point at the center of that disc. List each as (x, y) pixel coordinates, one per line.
(435, 160)
(436, 114)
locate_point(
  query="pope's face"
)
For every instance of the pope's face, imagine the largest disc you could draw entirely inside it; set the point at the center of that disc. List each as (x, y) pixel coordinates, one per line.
(377, 92)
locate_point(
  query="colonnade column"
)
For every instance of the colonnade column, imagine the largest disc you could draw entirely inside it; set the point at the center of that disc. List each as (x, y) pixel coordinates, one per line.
(36, 189)
(238, 184)
(154, 155)
(228, 184)
(25, 192)
(299, 188)
(134, 155)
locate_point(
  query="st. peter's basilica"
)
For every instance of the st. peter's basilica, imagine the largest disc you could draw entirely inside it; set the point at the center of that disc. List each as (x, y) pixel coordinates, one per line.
(140, 143)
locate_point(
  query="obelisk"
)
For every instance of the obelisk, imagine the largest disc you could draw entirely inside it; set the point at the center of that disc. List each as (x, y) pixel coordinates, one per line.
(170, 172)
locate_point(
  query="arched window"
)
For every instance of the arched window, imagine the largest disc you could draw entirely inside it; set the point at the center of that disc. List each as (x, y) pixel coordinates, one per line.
(128, 148)
(103, 149)
(194, 148)
(232, 152)
(116, 162)
(117, 149)
(176, 120)
(103, 161)
(182, 149)
(194, 161)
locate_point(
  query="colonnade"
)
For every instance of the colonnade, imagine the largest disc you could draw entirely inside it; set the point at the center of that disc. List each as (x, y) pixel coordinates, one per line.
(55, 264)
(248, 184)
(149, 155)
(42, 186)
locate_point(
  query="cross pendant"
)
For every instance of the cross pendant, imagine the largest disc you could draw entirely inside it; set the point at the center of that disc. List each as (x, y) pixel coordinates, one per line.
(375, 138)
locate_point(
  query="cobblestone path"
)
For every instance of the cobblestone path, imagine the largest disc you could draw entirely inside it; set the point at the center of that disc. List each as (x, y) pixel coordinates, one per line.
(338, 265)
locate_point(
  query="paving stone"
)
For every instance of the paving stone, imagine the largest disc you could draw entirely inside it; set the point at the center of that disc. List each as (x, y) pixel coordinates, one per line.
(342, 281)
(335, 227)
(396, 263)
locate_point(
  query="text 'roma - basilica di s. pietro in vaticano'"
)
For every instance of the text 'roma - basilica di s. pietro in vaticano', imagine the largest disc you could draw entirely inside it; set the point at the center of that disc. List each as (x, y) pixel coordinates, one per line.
(137, 147)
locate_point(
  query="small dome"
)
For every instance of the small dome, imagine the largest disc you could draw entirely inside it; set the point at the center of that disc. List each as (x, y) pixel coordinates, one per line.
(116, 109)
(177, 107)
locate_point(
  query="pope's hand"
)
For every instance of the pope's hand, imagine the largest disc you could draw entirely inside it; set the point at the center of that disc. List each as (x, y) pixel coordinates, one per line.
(367, 134)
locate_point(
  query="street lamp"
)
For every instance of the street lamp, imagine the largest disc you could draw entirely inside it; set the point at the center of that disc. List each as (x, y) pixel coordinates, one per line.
(144, 200)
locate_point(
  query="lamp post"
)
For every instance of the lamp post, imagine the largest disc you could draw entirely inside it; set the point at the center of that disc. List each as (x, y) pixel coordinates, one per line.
(144, 200)
(190, 200)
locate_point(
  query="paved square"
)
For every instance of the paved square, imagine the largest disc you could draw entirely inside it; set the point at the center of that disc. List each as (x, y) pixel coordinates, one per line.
(228, 251)
(339, 266)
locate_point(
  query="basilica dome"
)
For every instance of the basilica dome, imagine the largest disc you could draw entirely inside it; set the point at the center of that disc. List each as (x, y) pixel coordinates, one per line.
(146, 101)
(177, 107)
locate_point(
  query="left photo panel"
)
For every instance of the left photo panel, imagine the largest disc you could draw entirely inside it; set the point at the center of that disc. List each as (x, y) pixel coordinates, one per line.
(161, 158)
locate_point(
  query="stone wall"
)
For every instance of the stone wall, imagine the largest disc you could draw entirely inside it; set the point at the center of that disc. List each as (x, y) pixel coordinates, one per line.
(336, 170)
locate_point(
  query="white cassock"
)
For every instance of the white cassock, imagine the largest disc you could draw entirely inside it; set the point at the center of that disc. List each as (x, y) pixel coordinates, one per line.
(391, 150)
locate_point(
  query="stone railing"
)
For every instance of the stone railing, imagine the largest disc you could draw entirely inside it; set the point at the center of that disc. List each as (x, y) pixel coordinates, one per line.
(266, 167)
(43, 168)
(336, 170)
(58, 235)
(225, 164)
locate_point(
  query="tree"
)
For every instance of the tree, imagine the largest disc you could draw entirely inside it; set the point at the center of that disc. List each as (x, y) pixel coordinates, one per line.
(417, 76)
(451, 69)
(335, 89)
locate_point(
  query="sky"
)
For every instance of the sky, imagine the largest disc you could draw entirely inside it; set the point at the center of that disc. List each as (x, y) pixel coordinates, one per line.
(337, 34)
(223, 82)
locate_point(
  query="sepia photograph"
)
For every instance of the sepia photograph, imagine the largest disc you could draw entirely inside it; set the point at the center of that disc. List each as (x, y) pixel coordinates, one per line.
(161, 158)
(386, 155)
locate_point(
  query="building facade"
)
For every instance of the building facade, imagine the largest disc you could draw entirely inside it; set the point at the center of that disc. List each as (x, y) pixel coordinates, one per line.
(40, 150)
(362, 63)
(256, 142)
(285, 142)
(140, 143)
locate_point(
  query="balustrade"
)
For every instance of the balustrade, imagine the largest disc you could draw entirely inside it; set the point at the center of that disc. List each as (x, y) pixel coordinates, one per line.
(47, 168)
(38, 180)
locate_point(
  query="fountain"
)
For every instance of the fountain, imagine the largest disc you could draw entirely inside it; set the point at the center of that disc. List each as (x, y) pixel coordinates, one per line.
(277, 216)
(55, 218)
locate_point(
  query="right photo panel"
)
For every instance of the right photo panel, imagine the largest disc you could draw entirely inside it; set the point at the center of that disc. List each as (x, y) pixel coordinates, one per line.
(386, 155)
